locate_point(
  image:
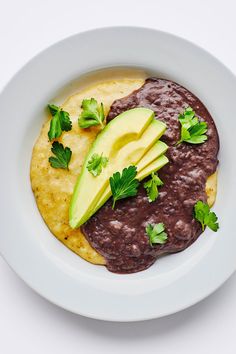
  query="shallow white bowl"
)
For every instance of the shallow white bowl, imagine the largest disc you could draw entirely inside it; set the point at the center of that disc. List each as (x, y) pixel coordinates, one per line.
(174, 282)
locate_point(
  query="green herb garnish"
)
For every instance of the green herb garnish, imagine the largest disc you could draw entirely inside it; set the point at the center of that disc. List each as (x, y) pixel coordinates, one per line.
(60, 122)
(96, 164)
(156, 234)
(192, 130)
(151, 187)
(124, 185)
(63, 156)
(206, 217)
(92, 114)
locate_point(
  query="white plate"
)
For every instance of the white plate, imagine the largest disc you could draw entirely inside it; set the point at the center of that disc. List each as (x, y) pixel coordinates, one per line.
(174, 282)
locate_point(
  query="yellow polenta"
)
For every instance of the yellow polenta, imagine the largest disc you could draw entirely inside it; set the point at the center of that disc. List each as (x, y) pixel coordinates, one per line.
(211, 189)
(53, 188)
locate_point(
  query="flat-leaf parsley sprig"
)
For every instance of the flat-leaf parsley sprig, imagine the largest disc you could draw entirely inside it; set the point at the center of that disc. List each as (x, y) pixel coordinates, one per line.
(92, 113)
(206, 217)
(62, 156)
(156, 234)
(96, 164)
(124, 185)
(60, 122)
(151, 187)
(192, 130)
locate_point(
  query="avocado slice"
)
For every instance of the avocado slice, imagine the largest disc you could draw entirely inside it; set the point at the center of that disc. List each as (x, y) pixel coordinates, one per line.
(148, 164)
(130, 154)
(156, 150)
(135, 151)
(152, 167)
(121, 131)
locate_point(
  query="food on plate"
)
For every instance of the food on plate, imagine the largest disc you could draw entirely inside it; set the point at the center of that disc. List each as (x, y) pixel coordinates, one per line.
(125, 171)
(124, 141)
(52, 187)
(211, 189)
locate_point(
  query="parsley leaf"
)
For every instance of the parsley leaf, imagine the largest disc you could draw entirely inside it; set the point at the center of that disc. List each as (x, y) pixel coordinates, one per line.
(151, 187)
(96, 164)
(156, 234)
(60, 122)
(206, 217)
(92, 114)
(63, 156)
(192, 130)
(124, 185)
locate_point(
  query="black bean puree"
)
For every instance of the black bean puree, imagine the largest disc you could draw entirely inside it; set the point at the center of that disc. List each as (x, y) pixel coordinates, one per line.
(119, 235)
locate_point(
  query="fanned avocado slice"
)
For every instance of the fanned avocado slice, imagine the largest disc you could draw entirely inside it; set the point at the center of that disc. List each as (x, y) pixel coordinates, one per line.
(152, 161)
(123, 141)
(153, 167)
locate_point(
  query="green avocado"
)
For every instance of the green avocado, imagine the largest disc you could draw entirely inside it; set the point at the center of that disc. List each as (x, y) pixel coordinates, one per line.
(135, 151)
(153, 167)
(150, 162)
(123, 131)
(156, 150)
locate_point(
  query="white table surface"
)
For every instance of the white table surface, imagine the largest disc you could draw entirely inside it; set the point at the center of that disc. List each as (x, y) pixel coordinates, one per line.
(30, 324)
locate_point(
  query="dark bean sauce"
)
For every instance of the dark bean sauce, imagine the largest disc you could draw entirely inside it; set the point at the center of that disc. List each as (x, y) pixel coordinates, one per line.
(119, 235)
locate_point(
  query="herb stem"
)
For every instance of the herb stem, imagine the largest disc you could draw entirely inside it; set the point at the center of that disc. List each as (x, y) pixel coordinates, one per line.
(178, 142)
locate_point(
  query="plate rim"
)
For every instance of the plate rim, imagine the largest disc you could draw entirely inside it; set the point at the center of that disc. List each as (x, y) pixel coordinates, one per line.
(5, 87)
